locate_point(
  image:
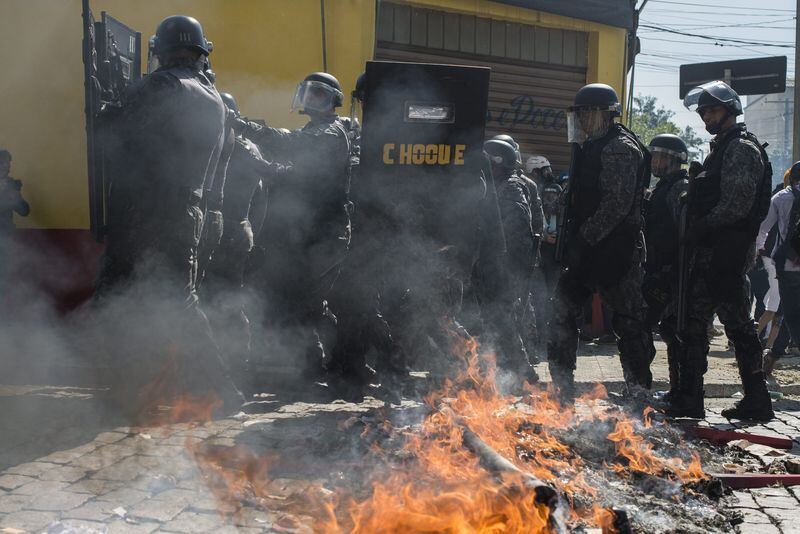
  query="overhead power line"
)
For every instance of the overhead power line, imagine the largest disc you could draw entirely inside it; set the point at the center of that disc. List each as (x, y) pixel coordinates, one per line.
(774, 44)
(698, 4)
(754, 25)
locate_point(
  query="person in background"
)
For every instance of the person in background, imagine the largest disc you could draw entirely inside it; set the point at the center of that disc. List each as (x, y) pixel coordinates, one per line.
(784, 211)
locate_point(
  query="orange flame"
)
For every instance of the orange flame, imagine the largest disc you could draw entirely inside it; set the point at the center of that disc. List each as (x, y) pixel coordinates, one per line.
(444, 487)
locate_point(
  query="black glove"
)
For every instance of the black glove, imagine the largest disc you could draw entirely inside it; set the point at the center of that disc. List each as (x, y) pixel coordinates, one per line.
(576, 252)
(697, 232)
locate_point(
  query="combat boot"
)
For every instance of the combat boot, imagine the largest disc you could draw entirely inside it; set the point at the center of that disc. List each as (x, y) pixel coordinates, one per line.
(688, 398)
(687, 404)
(563, 383)
(756, 404)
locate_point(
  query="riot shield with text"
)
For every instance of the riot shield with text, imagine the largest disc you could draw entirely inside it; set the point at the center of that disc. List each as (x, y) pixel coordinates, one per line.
(421, 155)
(112, 54)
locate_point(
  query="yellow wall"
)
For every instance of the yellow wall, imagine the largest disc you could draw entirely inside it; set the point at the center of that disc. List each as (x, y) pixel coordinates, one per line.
(262, 48)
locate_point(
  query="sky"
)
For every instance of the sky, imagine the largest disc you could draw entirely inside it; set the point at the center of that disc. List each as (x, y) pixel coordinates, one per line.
(764, 21)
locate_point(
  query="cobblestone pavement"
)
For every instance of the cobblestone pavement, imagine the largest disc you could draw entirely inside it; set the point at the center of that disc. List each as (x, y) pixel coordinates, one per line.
(66, 461)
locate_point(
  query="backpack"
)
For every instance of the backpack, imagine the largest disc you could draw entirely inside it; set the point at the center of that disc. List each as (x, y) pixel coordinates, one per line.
(764, 189)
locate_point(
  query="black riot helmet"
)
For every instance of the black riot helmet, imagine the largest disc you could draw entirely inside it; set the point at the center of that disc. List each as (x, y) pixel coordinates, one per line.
(319, 92)
(510, 140)
(712, 94)
(592, 112)
(229, 102)
(670, 144)
(5, 155)
(180, 31)
(361, 87)
(669, 153)
(597, 96)
(501, 154)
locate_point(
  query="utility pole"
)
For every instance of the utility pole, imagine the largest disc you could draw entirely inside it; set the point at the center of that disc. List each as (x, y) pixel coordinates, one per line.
(629, 43)
(796, 110)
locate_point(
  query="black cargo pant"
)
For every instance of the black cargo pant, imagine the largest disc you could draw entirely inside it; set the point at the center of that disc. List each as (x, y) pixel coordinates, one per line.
(727, 294)
(625, 300)
(149, 272)
(789, 286)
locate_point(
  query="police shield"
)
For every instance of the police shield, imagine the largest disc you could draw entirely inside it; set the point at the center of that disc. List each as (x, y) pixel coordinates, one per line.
(112, 54)
(421, 153)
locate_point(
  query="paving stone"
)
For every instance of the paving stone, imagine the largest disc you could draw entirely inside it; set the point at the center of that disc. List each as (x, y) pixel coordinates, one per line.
(64, 473)
(57, 501)
(83, 526)
(69, 455)
(120, 526)
(128, 469)
(184, 496)
(770, 492)
(778, 502)
(212, 505)
(157, 510)
(31, 469)
(163, 451)
(29, 520)
(94, 486)
(110, 437)
(40, 486)
(91, 511)
(758, 528)
(124, 497)
(13, 503)
(744, 500)
(789, 516)
(10, 482)
(191, 522)
(94, 462)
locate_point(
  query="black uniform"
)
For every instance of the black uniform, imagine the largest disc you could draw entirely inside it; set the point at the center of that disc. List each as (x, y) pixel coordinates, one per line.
(605, 254)
(306, 230)
(661, 232)
(170, 134)
(725, 215)
(244, 195)
(11, 201)
(167, 144)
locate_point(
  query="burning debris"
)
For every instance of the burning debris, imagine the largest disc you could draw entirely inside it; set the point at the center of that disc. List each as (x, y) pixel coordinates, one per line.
(476, 460)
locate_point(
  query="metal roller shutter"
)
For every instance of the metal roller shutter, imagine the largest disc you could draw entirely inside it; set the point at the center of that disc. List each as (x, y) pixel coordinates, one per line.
(535, 71)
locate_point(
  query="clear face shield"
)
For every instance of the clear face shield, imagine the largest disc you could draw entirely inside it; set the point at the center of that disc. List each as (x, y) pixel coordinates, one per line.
(666, 161)
(585, 124)
(152, 59)
(314, 96)
(718, 91)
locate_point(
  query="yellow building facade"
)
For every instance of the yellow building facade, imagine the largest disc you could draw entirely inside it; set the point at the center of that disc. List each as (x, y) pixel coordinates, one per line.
(262, 48)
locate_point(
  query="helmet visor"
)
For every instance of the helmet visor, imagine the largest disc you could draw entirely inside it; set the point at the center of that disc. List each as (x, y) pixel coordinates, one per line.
(315, 96)
(682, 156)
(719, 91)
(585, 124)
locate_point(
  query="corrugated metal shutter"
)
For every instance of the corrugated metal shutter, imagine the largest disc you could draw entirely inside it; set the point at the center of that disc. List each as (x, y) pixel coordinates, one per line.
(535, 71)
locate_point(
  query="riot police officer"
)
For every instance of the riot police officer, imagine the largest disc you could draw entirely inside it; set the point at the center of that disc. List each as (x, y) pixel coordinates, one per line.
(307, 229)
(603, 238)
(11, 199)
(166, 146)
(729, 199)
(662, 214)
(520, 244)
(246, 181)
